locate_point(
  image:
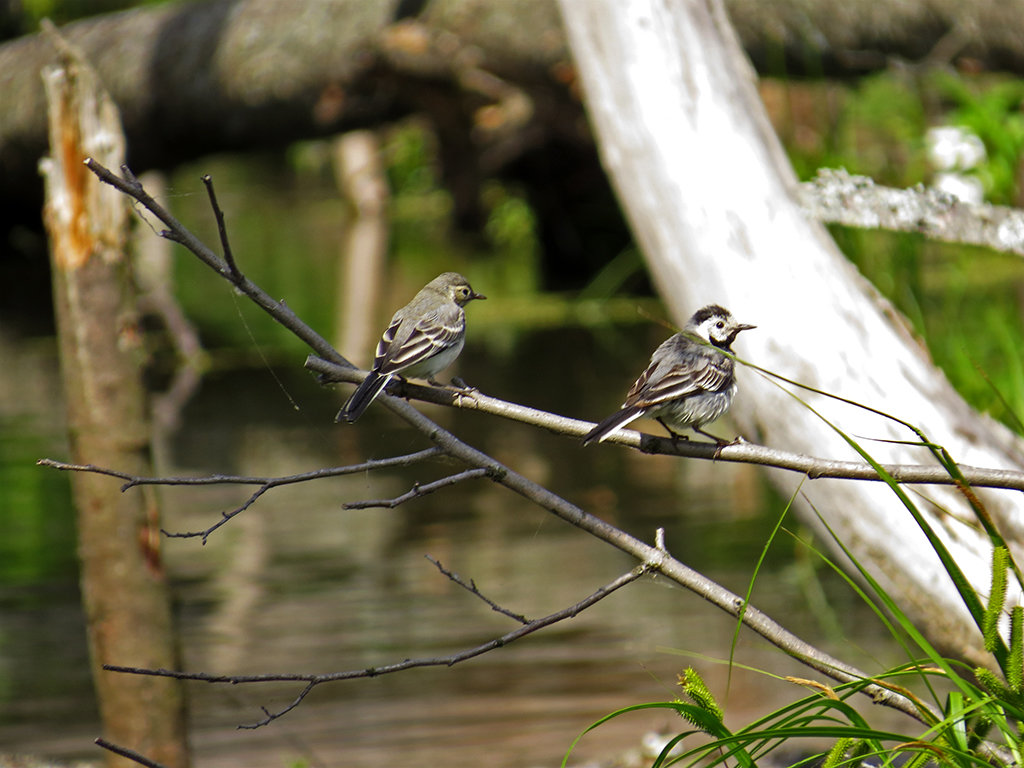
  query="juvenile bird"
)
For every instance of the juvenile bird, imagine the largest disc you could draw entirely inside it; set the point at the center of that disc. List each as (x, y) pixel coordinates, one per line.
(424, 337)
(689, 382)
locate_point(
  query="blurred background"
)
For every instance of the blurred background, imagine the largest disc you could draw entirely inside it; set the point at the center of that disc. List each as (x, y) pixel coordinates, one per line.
(297, 584)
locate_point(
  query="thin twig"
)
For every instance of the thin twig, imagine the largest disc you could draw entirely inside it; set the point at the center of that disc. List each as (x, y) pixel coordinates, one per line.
(265, 483)
(222, 230)
(471, 587)
(418, 490)
(313, 680)
(131, 754)
(180, 234)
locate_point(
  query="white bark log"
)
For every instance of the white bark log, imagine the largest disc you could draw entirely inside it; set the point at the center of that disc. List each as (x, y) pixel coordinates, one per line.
(712, 201)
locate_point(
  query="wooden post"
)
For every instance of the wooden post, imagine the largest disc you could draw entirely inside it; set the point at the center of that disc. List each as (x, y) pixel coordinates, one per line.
(124, 588)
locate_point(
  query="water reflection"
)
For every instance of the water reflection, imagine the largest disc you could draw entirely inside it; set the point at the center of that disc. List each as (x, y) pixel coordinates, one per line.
(297, 584)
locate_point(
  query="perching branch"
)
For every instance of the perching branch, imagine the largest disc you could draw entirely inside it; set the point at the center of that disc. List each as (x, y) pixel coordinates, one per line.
(743, 452)
(654, 559)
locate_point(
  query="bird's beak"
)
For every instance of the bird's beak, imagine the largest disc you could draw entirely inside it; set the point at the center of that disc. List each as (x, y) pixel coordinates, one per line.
(477, 296)
(744, 327)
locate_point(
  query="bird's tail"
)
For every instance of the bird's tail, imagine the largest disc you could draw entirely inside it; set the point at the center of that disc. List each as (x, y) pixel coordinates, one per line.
(365, 394)
(613, 424)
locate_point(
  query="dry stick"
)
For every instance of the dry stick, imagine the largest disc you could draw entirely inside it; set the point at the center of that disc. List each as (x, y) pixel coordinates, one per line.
(418, 490)
(131, 754)
(313, 680)
(177, 233)
(743, 452)
(470, 586)
(265, 483)
(652, 558)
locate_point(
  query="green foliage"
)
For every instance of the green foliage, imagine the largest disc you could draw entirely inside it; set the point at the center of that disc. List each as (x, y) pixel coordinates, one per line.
(991, 111)
(62, 11)
(838, 755)
(696, 690)
(1014, 669)
(881, 131)
(997, 598)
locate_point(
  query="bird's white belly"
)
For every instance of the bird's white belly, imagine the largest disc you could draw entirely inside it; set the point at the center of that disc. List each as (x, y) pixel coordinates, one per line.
(696, 410)
(435, 363)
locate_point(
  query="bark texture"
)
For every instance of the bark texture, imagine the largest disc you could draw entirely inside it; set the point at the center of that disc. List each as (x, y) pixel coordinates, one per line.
(124, 589)
(712, 199)
(197, 78)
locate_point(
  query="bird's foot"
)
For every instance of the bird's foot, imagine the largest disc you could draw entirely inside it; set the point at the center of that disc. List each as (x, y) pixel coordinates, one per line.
(462, 389)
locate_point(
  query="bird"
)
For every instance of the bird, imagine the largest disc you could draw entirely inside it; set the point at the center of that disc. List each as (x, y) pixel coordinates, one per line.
(424, 337)
(690, 381)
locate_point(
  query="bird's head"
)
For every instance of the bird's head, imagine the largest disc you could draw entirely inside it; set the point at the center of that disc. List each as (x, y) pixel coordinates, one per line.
(456, 287)
(715, 325)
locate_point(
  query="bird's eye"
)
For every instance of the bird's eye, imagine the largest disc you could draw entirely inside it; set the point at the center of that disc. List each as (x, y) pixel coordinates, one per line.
(720, 324)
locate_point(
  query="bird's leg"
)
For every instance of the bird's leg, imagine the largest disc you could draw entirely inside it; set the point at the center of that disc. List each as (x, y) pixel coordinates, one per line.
(675, 436)
(462, 386)
(719, 442)
(399, 383)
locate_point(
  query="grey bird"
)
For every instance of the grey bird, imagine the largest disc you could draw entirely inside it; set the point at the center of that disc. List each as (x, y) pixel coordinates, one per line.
(689, 382)
(424, 337)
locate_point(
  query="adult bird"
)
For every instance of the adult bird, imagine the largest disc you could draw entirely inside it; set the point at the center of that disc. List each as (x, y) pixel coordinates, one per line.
(424, 337)
(690, 381)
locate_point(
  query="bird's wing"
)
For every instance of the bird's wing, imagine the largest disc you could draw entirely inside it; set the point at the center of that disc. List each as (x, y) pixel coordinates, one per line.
(699, 371)
(386, 340)
(436, 331)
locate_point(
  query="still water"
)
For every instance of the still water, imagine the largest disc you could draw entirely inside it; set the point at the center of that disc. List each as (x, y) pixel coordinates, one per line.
(298, 584)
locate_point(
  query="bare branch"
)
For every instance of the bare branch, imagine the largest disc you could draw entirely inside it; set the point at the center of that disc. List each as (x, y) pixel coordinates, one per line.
(229, 258)
(128, 753)
(837, 197)
(265, 483)
(278, 310)
(314, 680)
(470, 587)
(742, 452)
(418, 490)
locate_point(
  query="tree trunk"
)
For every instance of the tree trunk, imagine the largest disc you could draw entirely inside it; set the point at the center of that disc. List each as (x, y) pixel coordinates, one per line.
(359, 173)
(710, 197)
(123, 584)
